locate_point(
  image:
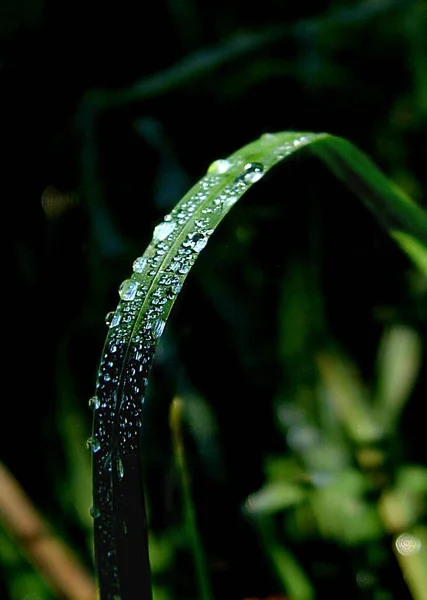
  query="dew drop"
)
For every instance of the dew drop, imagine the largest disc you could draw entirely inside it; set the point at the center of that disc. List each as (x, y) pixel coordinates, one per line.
(112, 319)
(139, 264)
(199, 242)
(170, 294)
(219, 166)
(253, 172)
(158, 327)
(301, 140)
(163, 230)
(128, 289)
(94, 403)
(93, 444)
(109, 317)
(120, 468)
(108, 463)
(174, 266)
(184, 268)
(94, 512)
(268, 137)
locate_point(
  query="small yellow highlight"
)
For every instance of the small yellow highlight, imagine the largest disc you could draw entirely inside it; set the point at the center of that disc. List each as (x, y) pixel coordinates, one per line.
(175, 424)
(407, 544)
(175, 414)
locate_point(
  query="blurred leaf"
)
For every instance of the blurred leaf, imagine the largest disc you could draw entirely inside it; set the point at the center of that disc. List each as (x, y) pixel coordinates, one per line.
(416, 251)
(351, 401)
(399, 361)
(274, 497)
(416, 26)
(343, 511)
(413, 478)
(403, 505)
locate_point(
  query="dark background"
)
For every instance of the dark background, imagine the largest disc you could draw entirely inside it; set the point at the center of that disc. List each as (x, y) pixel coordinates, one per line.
(91, 163)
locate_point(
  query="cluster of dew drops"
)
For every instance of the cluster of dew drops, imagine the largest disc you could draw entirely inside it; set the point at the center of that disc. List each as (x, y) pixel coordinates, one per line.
(186, 230)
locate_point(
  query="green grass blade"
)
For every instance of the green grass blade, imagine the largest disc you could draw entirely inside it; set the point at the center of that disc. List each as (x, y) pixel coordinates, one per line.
(146, 299)
(293, 579)
(175, 420)
(404, 220)
(413, 248)
(411, 553)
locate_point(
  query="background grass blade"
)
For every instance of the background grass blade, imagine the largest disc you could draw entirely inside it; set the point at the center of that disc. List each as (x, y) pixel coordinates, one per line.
(146, 300)
(175, 421)
(398, 366)
(403, 219)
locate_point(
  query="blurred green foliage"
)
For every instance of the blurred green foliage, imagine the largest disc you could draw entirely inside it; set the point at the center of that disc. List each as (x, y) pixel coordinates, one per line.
(110, 113)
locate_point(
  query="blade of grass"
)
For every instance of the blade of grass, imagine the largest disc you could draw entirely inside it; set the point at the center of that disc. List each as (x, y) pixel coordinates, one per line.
(121, 544)
(175, 421)
(416, 251)
(295, 583)
(204, 62)
(411, 553)
(399, 362)
(410, 541)
(274, 497)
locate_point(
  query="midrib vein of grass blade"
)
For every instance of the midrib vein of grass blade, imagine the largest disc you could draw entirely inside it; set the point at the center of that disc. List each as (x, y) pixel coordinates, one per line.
(146, 301)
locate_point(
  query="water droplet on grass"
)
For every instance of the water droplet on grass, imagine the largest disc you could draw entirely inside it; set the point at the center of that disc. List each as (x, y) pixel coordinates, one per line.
(109, 317)
(195, 242)
(93, 444)
(120, 468)
(128, 289)
(94, 512)
(94, 403)
(163, 230)
(301, 140)
(253, 172)
(139, 264)
(112, 319)
(268, 137)
(200, 242)
(219, 166)
(158, 327)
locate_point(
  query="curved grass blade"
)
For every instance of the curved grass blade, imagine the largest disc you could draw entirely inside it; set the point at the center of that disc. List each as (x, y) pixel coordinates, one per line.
(146, 299)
